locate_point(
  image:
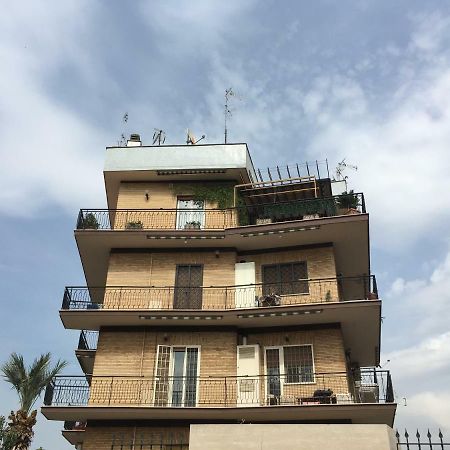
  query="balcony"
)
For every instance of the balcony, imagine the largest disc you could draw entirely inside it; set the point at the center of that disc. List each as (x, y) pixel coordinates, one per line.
(317, 396)
(85, 353)
(297, 223)
(210, 298)
(215, 219)
(351, 302)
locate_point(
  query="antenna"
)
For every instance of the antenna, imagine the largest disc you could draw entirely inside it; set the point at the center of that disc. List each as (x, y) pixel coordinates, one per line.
(340, 169)
(227, 112)
(159, 137)
(190, 138)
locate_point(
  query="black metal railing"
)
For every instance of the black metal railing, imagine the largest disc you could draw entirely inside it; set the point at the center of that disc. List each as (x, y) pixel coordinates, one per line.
(365, 386)
(261, 295)
(418, 441)
(88, 340)
(218, 219)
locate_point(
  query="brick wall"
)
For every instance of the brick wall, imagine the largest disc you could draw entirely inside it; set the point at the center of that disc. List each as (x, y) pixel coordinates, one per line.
(102, 437)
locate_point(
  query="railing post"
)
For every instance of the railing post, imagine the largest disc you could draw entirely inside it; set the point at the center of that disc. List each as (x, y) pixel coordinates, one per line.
(374, 285)
(389, 389)
(66, 299)
(79, 220)
(110, 390)
(226, 297)
(226, 392)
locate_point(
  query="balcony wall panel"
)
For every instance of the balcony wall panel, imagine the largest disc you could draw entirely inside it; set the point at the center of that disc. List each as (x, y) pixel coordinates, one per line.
(103, 437)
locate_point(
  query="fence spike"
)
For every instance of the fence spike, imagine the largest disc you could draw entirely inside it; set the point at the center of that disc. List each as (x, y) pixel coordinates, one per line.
(428, 434)
(397, 435)
(417, 434)
(406, 434)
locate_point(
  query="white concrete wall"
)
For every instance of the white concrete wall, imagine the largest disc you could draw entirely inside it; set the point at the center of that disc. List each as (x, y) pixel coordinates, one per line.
(219, 156)
(292, 437)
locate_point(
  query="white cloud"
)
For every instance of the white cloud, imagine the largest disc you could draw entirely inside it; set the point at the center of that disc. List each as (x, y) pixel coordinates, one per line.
(50, 155)
(420, 358)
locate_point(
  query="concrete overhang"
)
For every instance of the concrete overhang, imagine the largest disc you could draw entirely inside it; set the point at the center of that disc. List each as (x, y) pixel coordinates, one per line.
(176, 163)
(86, 360)
(348, 234)
(383, 413)
(74, 437)
(360, 321)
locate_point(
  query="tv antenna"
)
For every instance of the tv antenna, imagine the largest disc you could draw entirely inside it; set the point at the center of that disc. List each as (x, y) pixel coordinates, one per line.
(227, 111)
(190, 138)
(159, 137)
(123, 140)
(341, 168)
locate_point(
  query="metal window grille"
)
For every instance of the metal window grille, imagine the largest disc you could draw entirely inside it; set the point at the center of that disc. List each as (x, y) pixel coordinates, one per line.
(286, 278)
(298, 364)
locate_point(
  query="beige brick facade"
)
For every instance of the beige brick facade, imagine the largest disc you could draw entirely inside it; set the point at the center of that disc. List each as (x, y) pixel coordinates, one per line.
(158, 269)
(102, 437)
(132, 355)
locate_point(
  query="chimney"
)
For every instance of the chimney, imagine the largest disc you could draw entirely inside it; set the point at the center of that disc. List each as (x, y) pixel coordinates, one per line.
(134, 141)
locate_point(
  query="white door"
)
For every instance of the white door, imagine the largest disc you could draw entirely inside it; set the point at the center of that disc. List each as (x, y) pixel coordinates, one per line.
(248, 381)
(190, 214)
(244, 279)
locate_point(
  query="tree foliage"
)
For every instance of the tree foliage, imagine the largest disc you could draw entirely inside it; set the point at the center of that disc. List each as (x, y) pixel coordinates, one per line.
(30, 382)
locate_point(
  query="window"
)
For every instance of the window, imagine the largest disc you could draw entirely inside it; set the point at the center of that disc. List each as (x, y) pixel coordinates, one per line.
(177, 371)
(290, 364)
(285, 279)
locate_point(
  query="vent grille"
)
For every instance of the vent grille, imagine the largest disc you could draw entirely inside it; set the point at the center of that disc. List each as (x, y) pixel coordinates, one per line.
(246, 352)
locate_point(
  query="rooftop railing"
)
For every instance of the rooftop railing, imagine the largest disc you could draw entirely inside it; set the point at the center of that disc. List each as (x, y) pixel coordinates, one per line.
(323, 290)
(295, 389)
(218, 219)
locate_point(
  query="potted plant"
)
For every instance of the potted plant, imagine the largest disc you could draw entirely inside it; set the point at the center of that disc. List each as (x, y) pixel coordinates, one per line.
(89, 222)
(138, 225)
(348, 202)
(193, 225)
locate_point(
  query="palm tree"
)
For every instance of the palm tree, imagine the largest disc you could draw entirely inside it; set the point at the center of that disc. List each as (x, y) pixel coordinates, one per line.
(29, 384)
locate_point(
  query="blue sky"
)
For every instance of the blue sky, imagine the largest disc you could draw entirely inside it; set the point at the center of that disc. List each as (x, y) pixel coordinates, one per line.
(365, 80)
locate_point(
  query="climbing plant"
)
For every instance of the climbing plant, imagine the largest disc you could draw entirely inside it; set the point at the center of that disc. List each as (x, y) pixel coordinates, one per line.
(221, 194)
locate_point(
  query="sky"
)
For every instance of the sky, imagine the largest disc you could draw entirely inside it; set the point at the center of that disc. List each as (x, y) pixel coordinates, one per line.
(365, 80)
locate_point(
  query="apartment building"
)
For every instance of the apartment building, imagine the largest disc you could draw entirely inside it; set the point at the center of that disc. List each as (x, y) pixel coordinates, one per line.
(224, 307)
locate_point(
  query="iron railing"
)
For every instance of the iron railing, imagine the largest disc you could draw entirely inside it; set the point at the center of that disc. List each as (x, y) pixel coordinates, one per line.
(321, 290)
(307, 388)
(88, 340)
(418, 441)
(216, 219)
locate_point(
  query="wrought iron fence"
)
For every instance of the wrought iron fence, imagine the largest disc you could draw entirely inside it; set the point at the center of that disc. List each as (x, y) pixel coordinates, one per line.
(88, 340)
(219, 219)
(418, 441)
(319, 290)
(365, 386)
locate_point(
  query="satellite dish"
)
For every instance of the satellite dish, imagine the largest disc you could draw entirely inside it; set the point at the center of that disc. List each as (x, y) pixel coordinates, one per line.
(190, 138)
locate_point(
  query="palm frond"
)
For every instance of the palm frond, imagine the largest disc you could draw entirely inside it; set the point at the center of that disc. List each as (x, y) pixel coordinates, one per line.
(29, 383)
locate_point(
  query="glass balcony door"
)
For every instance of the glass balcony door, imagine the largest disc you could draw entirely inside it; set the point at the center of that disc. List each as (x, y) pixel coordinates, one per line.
(176, 376)
(190, 214)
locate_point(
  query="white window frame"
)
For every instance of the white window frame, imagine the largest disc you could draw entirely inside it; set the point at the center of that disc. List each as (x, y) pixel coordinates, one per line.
(283, 375)
(171, 367)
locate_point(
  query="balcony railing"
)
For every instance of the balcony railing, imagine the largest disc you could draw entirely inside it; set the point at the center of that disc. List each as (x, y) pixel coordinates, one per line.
(366, 386)
(88, 340)
(217, 219)
(263, 295)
